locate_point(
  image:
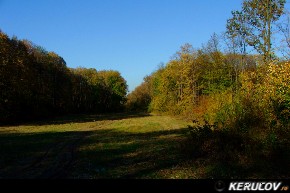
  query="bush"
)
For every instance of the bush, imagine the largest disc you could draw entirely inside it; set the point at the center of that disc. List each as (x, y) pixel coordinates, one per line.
(249, 131)
(220, 145)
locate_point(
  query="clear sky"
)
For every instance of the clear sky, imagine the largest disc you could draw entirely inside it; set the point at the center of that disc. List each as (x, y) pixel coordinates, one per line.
(131, 36)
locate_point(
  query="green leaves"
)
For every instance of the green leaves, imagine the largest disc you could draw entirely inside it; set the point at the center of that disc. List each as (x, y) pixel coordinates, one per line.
(254, 25)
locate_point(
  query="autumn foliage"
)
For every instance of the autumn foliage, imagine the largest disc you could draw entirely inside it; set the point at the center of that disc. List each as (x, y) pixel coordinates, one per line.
(240, 113)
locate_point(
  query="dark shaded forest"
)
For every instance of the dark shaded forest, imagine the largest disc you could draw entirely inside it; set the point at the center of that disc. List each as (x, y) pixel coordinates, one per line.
(35, 84)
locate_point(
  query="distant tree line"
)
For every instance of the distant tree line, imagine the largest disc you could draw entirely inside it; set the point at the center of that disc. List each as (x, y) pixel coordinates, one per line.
(35, 83)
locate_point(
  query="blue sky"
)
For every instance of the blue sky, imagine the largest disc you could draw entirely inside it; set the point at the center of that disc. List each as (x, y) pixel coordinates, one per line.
(131, 36)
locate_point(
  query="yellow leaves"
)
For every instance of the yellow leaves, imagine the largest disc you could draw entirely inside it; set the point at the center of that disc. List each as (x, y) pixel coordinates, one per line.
(278, 78)
(3, 36)
(268, 91)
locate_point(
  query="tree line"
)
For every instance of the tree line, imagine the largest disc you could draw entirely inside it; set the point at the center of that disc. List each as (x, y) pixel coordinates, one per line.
(235, 88)
(196, 82)
(35, 83)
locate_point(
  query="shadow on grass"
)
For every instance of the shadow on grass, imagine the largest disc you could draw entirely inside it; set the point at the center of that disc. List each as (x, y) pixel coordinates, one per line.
(80, 118)
(275, 166)
(38, 155)
(231, 155)
(95, 154)
(110, 154)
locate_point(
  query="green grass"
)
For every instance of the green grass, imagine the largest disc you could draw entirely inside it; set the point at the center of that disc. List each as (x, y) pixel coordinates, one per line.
(119, 146)
(106, 146)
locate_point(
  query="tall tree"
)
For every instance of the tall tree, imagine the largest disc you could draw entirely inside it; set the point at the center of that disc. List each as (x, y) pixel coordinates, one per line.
(255, 24)
(284, 28)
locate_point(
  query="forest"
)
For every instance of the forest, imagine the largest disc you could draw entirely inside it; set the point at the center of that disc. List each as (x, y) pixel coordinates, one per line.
(222, 83)
(37, 84)
(235, 89)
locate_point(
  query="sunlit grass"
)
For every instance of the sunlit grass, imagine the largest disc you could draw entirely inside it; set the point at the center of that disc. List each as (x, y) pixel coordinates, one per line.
(113, 146)
(109, 146)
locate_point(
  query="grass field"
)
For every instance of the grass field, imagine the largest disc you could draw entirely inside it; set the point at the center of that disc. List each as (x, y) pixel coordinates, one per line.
(93, 147)
(116, 146)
